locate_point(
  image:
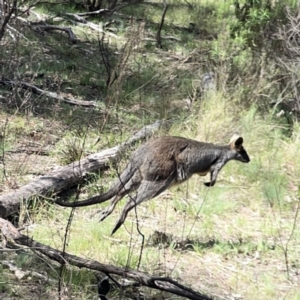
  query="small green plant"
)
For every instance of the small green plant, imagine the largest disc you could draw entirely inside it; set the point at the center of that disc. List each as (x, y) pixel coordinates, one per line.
(71, 150)
(4, 287)
(255, 20)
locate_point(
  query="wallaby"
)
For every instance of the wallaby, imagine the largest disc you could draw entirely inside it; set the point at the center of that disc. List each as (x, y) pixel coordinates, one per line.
(164, 162)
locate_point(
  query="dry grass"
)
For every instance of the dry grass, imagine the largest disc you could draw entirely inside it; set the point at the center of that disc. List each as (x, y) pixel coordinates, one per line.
(237, 240)
(236, 234)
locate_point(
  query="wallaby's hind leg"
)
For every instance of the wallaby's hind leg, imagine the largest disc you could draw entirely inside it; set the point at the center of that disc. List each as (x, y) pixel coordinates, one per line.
(131, 185)
(109, 209)
(146, 191)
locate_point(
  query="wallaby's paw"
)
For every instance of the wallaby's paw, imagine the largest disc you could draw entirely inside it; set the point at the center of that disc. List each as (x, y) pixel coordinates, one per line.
(209, 184)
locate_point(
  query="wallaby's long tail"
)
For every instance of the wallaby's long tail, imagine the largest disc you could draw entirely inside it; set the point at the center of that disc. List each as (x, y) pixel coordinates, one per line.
(124, 178)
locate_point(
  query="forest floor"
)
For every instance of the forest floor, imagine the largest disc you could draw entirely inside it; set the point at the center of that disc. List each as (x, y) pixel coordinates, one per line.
(238, 240)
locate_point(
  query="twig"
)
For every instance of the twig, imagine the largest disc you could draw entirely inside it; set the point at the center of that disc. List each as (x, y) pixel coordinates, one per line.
(67, 232)
(106, 61)
(158, 35)
(286, 248)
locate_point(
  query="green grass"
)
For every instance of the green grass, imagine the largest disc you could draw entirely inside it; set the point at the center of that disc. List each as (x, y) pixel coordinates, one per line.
(239, 230)
(242, 213)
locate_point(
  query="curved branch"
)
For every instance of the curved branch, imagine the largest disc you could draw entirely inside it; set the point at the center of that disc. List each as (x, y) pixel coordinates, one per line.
(166, 284)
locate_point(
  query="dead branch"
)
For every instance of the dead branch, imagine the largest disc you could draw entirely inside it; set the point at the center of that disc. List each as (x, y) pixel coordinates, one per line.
(100, 12)
(47, 27)
(53, 27)
(30, 150)
(52, 95)
(6, 12)
(12, 30)
(81, 21)
(158, 35)
(76, 17)
(106, 61)
(97, 28)
(13, 236)
(69, 175)
(93, 13)
(167, 37)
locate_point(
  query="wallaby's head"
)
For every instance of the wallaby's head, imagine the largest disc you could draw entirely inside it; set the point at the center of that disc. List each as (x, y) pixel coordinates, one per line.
(236, 144)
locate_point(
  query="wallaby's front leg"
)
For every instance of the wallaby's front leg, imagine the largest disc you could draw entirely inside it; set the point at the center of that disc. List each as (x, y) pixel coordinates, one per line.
(214, 171)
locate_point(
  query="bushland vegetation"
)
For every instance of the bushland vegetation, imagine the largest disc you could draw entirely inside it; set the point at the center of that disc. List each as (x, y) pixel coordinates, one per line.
(80, 76)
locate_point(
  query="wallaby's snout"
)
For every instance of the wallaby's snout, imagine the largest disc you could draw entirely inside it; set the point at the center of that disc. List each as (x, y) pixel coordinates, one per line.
(244, 156)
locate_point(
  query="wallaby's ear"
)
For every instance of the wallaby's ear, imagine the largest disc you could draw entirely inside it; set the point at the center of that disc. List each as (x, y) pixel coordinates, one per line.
(236, 141)
(239, 142)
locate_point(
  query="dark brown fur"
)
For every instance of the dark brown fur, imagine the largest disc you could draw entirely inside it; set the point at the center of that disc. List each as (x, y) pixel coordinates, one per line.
(164, 162)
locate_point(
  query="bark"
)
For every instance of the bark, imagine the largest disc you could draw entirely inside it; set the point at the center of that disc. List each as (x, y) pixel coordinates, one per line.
(66, 176)
(12, 236)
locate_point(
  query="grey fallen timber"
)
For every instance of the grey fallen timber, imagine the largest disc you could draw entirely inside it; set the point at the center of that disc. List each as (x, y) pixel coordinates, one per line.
(34, 89)
(69, 175)
(12, 237)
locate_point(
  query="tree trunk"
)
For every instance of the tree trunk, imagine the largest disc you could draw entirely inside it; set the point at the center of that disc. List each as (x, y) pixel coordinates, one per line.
(69, 175)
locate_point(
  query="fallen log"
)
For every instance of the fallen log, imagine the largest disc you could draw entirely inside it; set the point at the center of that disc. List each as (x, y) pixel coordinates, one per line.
(11, 236)
(27, 86)
(61, 28)
(66, 176)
